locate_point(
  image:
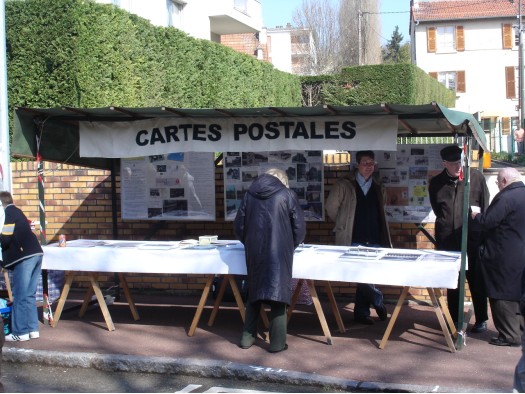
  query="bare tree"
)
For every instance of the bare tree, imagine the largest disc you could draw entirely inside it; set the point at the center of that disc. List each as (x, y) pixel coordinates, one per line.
(344, 33)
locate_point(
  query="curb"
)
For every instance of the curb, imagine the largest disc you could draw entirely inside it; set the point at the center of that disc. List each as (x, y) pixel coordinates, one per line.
(210, 369)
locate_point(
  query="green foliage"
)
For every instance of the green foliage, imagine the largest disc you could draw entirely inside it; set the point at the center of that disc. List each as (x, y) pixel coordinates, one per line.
(83, 54)
(394, 51)
(507, 157)
(386, 83)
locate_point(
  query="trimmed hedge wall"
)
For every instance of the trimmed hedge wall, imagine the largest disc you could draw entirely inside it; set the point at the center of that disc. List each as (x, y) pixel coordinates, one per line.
(84, 54)
(386, 83)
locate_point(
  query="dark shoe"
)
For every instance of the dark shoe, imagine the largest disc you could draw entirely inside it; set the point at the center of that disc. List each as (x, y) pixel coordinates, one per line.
(280, 350)
(498, 341)
(382, 312)
(479, 327)
(364, 320)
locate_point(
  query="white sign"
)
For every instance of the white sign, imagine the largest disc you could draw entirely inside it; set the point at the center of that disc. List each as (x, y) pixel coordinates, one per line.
(255, 134)
(176, 186)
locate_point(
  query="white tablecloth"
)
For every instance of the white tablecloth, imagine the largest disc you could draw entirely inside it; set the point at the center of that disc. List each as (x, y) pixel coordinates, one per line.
(397, 267)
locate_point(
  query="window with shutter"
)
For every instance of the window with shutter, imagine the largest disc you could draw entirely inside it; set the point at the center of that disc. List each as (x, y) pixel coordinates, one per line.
(505, 125)
(448, 78)
(460, 82)
(460, 38)
(508, 36)
(445, 39)
(431, 39)
(510, 82)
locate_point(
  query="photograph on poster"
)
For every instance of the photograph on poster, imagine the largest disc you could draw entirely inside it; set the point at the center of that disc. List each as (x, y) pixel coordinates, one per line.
(303, 168)
(176, 186)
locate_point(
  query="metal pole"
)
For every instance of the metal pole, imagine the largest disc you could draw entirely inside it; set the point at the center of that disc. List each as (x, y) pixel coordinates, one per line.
(5, 155)
(521, 72)
(462, 324)
(359, 22)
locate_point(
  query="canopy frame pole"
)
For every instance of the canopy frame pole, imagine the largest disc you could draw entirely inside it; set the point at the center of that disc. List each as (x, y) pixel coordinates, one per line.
(461, 328)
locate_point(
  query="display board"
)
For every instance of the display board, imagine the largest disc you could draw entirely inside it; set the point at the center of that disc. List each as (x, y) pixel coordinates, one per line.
(174, 186)
(304, 170)
(405, 174)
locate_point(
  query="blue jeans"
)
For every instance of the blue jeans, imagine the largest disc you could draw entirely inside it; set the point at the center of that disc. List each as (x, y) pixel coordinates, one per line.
(366, 294)
(24, 315)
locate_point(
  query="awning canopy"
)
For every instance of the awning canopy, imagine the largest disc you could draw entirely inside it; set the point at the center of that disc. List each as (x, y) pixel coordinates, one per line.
(54, 132)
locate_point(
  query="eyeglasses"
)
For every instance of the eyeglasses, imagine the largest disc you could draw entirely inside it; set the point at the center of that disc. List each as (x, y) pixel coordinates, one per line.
(367, 163)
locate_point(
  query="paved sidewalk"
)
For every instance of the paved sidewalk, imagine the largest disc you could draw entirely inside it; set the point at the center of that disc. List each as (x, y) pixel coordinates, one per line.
(415, 359)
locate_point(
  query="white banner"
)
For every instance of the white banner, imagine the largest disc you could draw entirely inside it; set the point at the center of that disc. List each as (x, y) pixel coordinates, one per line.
(254, 134)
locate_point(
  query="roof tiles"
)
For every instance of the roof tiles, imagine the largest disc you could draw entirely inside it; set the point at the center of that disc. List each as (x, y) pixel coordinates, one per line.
(431, 10)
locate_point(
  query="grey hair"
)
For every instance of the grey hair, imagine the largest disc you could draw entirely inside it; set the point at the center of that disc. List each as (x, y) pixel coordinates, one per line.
(279, 174)
(511, 174)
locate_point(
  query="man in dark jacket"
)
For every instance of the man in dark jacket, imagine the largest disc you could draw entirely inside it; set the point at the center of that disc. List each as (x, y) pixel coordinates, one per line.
(270, 224)
(446, 192)
(22, 253)
(502, 254)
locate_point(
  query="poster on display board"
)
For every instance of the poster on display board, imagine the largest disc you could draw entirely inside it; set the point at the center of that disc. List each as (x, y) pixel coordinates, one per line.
(405, 174)
(173, 186)
(304, 170)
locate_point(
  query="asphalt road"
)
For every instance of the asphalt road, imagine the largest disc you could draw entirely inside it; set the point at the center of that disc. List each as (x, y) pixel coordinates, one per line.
(34, 378)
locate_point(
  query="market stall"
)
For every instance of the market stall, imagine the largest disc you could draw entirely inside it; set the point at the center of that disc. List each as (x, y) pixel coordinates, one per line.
(100, 137)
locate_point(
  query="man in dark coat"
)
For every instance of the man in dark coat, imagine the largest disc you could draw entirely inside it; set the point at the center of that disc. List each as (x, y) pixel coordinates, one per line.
(446, 192)
(270, 224)
(502, 254)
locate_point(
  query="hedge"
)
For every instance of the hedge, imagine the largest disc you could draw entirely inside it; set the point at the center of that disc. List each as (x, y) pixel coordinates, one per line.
(84, 54)
(385, 83)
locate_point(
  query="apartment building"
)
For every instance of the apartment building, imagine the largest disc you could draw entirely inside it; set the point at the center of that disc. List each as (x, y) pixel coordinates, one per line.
(206, 19)
(288, 48)
(472, 47)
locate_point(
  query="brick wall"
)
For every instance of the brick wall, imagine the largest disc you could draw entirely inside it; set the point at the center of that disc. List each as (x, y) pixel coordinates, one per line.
(78, 204)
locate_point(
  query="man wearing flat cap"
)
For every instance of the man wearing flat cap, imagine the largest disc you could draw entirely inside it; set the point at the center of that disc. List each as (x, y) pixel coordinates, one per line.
(446, 197)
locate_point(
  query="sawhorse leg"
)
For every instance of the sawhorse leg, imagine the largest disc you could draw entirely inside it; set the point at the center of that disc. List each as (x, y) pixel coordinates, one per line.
(63, 297)
(440, 311)
(393, 318)
(335, 309)
(127, 294)
(319, 310)
(443, 303)
(227, 279)
(95, 288)
(200, 307)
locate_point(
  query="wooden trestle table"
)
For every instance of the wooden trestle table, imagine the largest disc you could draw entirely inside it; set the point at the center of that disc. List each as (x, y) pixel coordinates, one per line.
(321, 264)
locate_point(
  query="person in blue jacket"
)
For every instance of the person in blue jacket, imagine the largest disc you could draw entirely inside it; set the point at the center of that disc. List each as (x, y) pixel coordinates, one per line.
(21, 253)
(270, 224)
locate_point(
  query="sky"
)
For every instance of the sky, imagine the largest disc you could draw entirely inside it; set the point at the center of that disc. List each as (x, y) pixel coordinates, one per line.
(393, 12)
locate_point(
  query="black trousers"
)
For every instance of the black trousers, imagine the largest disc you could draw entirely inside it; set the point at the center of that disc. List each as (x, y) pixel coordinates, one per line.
(507, 319)
(477, 288)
